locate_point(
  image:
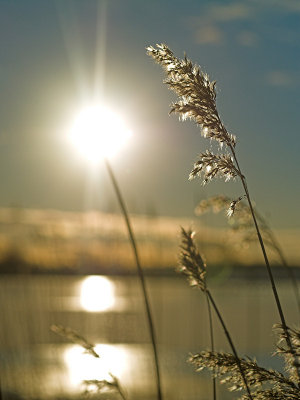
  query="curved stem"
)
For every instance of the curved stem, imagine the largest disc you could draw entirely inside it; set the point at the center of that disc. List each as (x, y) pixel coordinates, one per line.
(288, 268)
(121, 394)
(230, 342)
(120, 391)
(212, 342)
(275, 293)
(140, 273)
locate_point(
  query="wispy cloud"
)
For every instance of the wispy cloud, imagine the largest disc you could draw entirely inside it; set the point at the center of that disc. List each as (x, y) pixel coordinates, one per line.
(210, 28)
(208, 34)
(247, 38)
(288, 6)
(283, 79)
(229, 12)
(279, 78)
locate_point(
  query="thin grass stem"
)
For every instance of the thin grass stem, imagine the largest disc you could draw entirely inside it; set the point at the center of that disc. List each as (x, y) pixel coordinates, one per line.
(227, 334)
(122, 395)
(289, 270)
(220, 202)
(118, 387)
(274, 289)
(212, 342)
(140, 274)
(193, 267)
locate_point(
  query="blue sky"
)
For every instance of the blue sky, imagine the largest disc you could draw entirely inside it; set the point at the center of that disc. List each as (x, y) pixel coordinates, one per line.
(57, 55)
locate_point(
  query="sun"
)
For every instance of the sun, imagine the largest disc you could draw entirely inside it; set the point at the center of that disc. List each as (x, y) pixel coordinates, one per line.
(97, 132)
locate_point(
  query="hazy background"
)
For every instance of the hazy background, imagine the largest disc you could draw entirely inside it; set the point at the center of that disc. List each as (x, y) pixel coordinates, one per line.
(58, 55)
(57, 213)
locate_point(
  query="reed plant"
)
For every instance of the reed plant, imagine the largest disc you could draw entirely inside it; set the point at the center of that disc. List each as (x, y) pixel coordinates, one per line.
(76, 338)
(191, 264)
(236, 372)
(197, 101)
(140, 275)
(100, 386)
(240, 220)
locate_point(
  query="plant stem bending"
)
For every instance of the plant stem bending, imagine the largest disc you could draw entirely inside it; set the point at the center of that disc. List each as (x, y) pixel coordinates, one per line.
(140, 274)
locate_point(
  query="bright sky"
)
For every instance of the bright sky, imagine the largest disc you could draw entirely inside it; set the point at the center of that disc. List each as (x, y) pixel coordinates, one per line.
(56, 56)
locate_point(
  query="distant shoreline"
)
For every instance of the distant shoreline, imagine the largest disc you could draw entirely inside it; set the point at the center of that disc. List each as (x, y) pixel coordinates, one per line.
(251, 273)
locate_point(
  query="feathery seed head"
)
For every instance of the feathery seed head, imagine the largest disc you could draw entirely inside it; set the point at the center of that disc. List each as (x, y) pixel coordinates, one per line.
(224, 365)
(211, 165)
(74, 337)
(191, 263)
(292, 358)
(196, 93)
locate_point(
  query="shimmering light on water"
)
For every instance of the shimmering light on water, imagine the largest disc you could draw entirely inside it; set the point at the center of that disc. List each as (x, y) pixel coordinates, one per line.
(82, 366)
(37, 364)
(97, 294)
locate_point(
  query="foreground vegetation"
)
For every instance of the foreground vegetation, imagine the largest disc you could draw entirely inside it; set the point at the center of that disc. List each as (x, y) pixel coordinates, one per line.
(197, 101)
(84, 243)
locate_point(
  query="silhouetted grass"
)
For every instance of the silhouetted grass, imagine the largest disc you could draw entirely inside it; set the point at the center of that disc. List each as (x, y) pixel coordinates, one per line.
(197, 101)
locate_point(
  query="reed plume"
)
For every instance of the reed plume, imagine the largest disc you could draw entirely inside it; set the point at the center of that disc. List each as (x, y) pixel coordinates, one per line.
(197, 101)
(100, 386)
(292, 360)
(265, 384)
(191, 264)
(238, 373)
(241, 222)
(103, 386)
(76, 338)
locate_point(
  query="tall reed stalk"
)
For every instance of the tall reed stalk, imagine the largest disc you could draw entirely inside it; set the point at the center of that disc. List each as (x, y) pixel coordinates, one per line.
(197, 101)
(212, 343)
(242, 222)
(140, 274)
(192, 265)
(263, 249)
(239, 373)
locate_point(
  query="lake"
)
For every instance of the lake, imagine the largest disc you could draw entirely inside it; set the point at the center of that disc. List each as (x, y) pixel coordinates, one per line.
(109, 312)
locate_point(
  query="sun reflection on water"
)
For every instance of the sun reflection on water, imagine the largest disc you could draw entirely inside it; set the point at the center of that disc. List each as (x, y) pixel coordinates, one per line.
(82, 366)
(97, 294)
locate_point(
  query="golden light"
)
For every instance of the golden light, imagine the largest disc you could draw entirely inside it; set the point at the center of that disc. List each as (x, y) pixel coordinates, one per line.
(82, 366)
(97, 294)
(98, 132)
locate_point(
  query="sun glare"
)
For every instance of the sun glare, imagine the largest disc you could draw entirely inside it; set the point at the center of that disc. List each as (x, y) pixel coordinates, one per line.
(97, 294)
(98, 132)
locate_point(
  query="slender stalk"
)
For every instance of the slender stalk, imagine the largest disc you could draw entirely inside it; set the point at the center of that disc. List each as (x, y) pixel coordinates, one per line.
(193, 266)
(229, 341)
(289, 270)
(121, 394)
(275, 293)
(140, 274)
(212, 342)
(119, 388)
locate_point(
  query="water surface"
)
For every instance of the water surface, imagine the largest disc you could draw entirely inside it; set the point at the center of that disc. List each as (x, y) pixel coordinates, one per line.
(109, 312)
